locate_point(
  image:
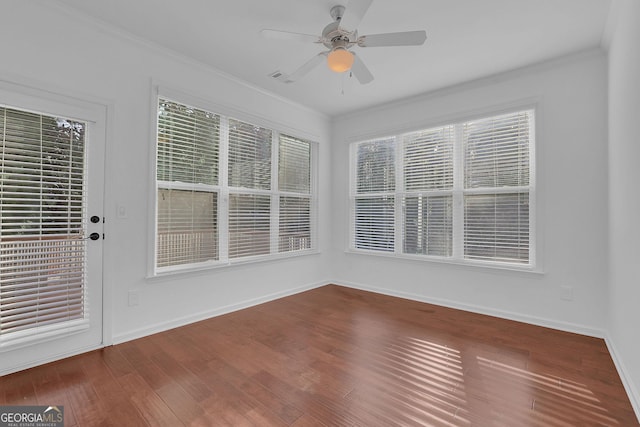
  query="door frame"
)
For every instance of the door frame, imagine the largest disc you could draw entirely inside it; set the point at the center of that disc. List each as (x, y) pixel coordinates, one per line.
(18, 91)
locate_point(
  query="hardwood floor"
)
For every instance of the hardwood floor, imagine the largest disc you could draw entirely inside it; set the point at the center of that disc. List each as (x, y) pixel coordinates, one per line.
(335, 356)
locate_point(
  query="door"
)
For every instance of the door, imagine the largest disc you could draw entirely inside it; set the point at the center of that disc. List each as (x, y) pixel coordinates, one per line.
(51, 227)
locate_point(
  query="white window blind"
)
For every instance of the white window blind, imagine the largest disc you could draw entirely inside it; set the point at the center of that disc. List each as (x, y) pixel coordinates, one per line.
(42, 250)
(187, 227)
(249, 225)
(294, 165)
(428, 192)
(249, 155)
(375, 167)
(428, 160)
(497, 151)
(460, 191)
(373, 209)
(188, 144)
(497, 227)
(295, 224)
(497, 163)
(249, 168)
(428, 225)
(260, 205)
(294, 184)
(374, 224)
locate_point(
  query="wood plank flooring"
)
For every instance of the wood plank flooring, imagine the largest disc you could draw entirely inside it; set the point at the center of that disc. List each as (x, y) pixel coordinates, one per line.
(336, 356)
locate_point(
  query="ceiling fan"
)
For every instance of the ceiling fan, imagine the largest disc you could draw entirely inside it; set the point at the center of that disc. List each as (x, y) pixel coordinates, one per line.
(340, 37)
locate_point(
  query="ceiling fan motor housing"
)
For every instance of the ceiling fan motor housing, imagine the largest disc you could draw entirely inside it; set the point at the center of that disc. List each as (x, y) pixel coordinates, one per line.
(333, 36)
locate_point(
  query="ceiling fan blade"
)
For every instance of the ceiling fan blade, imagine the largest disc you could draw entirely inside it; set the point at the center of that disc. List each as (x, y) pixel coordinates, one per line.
(286, 35)
(407, 38)
(360, 71)
(353, 14)
(308, 66)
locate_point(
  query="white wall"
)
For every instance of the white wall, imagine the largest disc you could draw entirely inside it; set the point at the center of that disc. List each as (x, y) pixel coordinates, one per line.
(57, 50)
(571, 95)
(624, 195)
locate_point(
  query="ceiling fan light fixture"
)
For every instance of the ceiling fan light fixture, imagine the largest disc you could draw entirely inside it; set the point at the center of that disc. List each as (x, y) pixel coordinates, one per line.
(340, 60)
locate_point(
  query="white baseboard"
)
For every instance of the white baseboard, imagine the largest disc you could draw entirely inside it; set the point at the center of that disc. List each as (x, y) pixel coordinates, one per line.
(196, 317)
(538, 321)
(629, 386)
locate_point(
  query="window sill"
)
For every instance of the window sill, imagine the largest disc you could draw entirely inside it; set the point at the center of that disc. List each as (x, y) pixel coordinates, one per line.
(219, 265)
(505, 267)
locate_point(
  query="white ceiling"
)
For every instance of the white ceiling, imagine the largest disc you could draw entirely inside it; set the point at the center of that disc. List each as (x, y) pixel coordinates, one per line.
(466, 40)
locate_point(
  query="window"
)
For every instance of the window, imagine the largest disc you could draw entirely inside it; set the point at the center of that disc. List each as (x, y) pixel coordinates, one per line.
(187, 185)
(294, 183)
(42, 205)
(228, 190)
(460, 192)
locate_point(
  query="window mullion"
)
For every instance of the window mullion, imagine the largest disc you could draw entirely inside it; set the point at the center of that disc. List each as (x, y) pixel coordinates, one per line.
(458, 193)
(353, 161)
(186, 186)
(313, 197)
(532, 191)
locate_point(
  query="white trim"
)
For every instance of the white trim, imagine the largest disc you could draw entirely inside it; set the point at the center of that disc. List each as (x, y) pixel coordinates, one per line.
(29, 98)
(315, 197)
(107, 260)
(152, 186)
(208, 267)
(535, 243)
(627, 381)
(474, 264)
(196, 317)
(187, 186)
(533, 320)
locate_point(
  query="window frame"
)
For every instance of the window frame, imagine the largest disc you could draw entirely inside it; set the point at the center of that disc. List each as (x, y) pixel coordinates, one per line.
(458, 191)
(225, 191)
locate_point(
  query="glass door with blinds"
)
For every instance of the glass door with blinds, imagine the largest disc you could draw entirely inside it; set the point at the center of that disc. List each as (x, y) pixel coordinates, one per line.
(51, 230)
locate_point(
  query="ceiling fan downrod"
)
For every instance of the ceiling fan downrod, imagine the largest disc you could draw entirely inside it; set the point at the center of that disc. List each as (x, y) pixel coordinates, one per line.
(337, 12)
